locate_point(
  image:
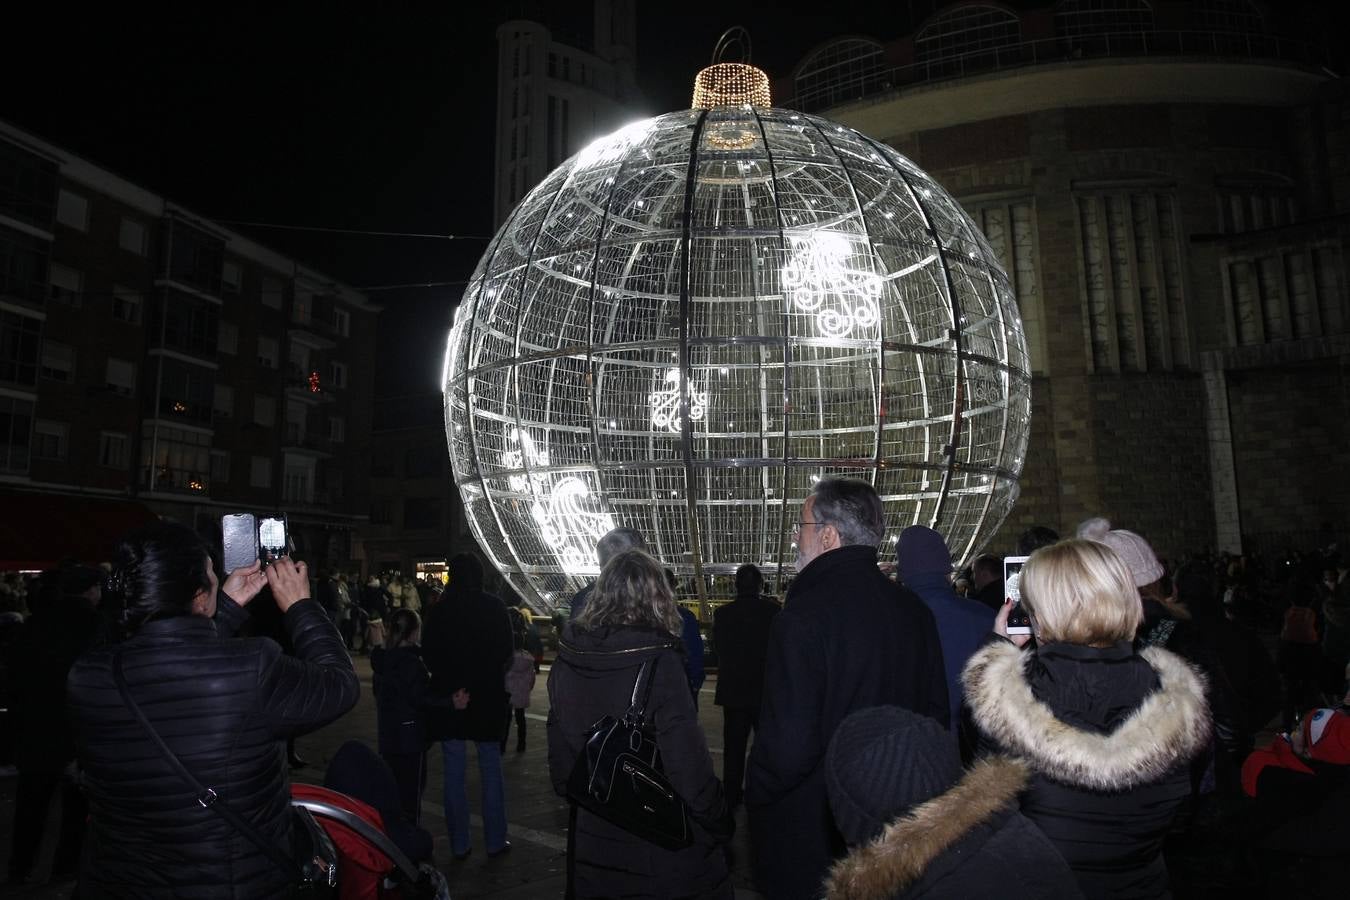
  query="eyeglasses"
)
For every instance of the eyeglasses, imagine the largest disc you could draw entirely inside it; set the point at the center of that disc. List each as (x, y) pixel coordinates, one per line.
(797, 526)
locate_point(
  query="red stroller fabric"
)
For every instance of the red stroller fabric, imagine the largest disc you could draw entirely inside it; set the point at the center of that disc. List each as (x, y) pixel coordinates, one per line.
(361, 866)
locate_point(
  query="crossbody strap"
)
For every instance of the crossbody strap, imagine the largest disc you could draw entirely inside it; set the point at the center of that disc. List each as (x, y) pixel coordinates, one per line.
(206, 797)
(637, 711)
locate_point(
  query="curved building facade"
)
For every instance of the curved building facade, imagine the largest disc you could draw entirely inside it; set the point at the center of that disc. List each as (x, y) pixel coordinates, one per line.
(1167, 185)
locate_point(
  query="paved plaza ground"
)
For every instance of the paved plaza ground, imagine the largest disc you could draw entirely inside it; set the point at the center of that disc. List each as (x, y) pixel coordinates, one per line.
(537, 817)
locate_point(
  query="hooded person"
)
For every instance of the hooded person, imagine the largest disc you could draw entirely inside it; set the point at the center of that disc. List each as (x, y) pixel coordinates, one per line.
(1301, 787)
(924, 565)
(918, 825)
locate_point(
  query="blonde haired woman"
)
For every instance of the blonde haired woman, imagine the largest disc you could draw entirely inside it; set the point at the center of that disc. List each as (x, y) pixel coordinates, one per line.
(1107, 732)
(631, 619)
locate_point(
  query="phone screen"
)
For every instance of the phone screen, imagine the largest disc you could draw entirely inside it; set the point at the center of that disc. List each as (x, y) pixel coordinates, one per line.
(1019, 622)
(272, 537)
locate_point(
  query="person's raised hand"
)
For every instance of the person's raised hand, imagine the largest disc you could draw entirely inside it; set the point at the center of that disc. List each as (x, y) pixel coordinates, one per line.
(289, 581)
(244, 583)
(1001, 624)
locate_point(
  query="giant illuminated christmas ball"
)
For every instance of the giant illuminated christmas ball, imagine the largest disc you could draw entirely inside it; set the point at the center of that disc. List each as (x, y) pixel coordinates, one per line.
(692, 320)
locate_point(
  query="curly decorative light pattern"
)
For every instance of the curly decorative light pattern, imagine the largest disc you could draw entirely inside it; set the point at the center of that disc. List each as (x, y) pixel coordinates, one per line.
(665, 403)
(819, 279)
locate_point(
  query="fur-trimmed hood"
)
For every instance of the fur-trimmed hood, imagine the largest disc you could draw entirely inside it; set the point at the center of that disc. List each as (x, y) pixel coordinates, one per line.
(899, 856)
(1169, 727)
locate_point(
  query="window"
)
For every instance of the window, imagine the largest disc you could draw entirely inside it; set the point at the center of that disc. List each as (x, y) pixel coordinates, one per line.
(1254, 202)
(222, 406)
(121, 376)
(220, 467)
(73, 210)
(267, 352)
(298, 483)
(553, 65)
(58, 361)
(186, 391)
(16, 426)
(567, 68)
(337, 429)
(1285, 294)
(273, 291)
(23, 260)
(126, 304)
(49, 439)
(67, 285)
(381, 511)
(843, 70)
(175, 459)
(297, 360)
(227, 338)
(422, 512)
(302, 310)
(552, 152)
(231, 278)
(20, 348)
(1010, 228)
(131, 237)
(190, 324)
(1085, 17)
(265, 411)
(342, 322)
(260, 472)
(420, 462)
(1136, 312)
(112, 449)
(967, 37)
(29, 184)
(338, 373)
(297, 417)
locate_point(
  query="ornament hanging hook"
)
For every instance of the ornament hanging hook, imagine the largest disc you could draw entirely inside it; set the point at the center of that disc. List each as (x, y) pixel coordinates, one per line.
(736, 34)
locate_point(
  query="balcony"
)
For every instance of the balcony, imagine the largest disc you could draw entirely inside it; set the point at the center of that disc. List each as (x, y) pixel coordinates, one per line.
(301, 439)
(177, 481)
(872, 82)
(302, 385)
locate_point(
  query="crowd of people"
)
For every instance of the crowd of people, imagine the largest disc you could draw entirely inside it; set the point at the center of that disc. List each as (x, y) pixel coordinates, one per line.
(906, 741)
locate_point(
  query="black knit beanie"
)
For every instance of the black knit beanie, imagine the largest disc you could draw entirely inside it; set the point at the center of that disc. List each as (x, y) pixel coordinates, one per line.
(882, 762)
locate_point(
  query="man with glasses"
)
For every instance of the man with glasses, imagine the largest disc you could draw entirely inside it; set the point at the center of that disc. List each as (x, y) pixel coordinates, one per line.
(848, 638)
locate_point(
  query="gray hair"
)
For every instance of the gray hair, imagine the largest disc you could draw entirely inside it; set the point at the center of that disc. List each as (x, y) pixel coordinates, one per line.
(852, 507)
(616, 541)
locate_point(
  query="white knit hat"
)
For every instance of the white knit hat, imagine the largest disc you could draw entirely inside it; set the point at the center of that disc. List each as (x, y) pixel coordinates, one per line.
(1133, 550)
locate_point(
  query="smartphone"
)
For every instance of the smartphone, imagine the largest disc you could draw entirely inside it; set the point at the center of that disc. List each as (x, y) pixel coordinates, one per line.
(239, 541)
(1019, 622)
(273, 538)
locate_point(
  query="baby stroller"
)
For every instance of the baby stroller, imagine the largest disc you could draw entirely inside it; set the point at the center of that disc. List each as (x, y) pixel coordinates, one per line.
(370, 864)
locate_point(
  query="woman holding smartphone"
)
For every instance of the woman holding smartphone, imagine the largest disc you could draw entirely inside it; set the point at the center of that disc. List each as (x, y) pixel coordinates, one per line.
(223, 705)
(1107, 732)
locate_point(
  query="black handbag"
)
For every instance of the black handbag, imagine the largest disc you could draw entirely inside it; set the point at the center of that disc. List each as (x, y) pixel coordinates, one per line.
(313, 869)
(618, 775)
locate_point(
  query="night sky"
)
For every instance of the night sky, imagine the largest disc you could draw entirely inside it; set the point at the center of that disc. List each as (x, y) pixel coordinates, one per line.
(372, 120)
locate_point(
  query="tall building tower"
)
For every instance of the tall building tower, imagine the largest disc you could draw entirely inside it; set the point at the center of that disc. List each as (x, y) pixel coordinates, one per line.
(554, 97)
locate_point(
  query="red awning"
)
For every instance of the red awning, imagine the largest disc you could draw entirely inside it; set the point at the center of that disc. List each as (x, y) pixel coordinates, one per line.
(37, 531)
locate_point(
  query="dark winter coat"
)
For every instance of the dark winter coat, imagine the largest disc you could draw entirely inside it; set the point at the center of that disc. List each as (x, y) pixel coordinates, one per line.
(741, 639)
(1108, 734)
(466, 643)
(40, 662)
(847, 638)
(401, 684)
(225, 707)
(962, 625)
(968, 842)
(593, 677)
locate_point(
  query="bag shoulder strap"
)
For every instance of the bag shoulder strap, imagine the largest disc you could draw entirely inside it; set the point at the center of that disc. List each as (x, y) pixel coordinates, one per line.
(637, 710)
(206, 797)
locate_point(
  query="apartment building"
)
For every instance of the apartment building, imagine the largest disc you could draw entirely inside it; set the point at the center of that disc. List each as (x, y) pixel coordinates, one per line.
(148, 354)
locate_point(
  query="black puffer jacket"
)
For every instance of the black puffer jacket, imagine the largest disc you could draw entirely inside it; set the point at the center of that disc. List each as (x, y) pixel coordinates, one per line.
(593, 677)
(1108, 734)
(225, 708)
